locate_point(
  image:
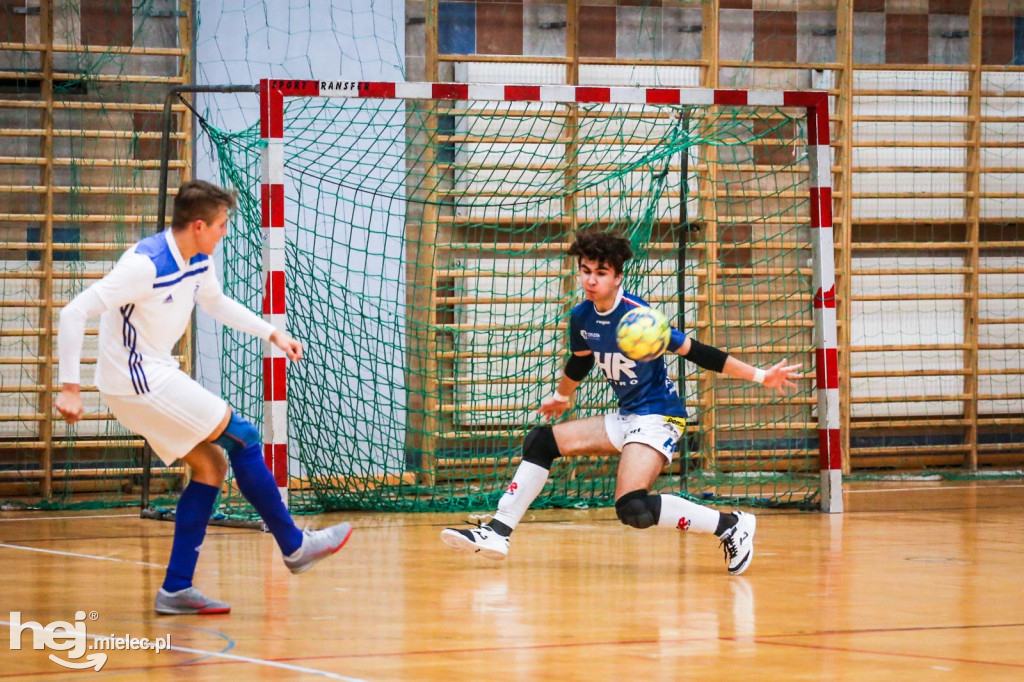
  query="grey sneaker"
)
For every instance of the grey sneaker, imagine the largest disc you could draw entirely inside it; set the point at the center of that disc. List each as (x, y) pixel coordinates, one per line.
(318, 545)
(482, 540)
(187, 601)
(738, 543)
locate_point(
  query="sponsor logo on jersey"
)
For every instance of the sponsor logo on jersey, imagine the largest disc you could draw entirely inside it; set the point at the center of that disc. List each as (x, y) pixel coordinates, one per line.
(169, 299)
(511, 489)
(684, 524)
(616, 366)
(590, 336)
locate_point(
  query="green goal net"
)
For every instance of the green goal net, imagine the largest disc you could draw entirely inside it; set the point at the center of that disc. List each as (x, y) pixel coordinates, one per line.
(426, 275)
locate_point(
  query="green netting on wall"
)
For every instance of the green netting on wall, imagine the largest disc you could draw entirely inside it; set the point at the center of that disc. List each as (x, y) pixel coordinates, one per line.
(427, 277)
(79, 152)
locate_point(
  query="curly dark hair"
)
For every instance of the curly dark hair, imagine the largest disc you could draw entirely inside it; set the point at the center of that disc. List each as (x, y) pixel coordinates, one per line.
(610, 248)
(199, 200)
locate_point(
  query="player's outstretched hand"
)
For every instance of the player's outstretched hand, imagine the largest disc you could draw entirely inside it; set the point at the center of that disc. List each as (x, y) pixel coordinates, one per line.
(552, 408)
(781, 376)
(69, 404)
(292, 348)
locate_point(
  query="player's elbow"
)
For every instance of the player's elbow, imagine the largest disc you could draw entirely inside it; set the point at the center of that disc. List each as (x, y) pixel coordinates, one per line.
(71, 311)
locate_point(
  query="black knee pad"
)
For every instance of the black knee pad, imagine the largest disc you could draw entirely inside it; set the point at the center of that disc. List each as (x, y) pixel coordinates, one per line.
(539, 446)
(638, 509)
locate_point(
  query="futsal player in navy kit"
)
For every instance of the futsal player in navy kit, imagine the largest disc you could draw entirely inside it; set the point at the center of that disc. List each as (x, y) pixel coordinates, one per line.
(644, 431)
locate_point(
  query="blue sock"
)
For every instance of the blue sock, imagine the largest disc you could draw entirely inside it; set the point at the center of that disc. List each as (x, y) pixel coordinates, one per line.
(194, 509)
(258, 486)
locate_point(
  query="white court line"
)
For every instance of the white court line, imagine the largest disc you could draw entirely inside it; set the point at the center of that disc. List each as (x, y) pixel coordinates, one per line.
(65, 518)
(232, 657)
(81, 556)
(271, 664)
(944, 489)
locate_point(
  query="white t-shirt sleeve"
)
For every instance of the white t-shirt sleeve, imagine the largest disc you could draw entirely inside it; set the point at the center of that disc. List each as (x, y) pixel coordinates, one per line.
(131, 278)
(228, 311)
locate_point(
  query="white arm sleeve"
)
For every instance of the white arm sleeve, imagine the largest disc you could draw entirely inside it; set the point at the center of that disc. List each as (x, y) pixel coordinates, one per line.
(71, 333)
(229, 311)
(131, 277)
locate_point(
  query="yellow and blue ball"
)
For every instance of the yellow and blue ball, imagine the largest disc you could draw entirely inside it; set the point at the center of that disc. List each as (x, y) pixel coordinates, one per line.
(643, 334)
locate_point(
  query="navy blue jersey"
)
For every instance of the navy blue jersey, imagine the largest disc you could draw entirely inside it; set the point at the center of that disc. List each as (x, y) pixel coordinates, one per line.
(641, 387)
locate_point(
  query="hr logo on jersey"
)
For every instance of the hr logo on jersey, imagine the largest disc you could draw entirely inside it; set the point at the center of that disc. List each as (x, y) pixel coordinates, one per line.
(616, 366)
(511, 489)
(684, 523)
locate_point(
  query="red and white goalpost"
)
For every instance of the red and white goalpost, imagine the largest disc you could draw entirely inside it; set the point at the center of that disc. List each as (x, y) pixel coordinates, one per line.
(273, 92)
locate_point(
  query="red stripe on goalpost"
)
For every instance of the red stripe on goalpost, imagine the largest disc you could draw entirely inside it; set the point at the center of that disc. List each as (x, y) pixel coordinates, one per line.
(593, 95)
(449, 91)
(817, 121)
(663, 96)
(275, 455)
(381, 90)
(731, 97)
(825, 299)
(272, 205)
(830, 449)
(827, 368)
(274, 372)
(520, 93)
(273, 297)
(821, 207)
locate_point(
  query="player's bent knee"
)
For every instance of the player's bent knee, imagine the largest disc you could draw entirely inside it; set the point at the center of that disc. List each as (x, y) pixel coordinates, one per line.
(540, 447)
(238, 435)
(208, 465)
(638, 509)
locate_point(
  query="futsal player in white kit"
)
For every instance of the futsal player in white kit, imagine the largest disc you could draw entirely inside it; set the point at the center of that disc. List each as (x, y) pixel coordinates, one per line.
(645, 430)
(145, 303)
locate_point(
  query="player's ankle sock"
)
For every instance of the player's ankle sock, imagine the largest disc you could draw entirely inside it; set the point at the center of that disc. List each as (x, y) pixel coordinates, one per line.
(499, 528)
(193, 513)
(258, 486)
(520, 494)
(726, 521)
(680, 513)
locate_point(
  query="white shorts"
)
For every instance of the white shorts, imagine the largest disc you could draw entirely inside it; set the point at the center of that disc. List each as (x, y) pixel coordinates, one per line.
(656, 430)
(174, 418)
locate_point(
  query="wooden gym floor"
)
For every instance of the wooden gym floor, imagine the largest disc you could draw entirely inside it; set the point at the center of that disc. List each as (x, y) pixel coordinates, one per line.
(917, 581)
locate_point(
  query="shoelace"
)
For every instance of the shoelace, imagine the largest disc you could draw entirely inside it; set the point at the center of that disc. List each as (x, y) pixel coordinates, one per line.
(729, 547)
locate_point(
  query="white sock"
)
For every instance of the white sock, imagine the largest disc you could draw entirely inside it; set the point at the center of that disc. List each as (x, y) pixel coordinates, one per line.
(521, 492)
(680, 513)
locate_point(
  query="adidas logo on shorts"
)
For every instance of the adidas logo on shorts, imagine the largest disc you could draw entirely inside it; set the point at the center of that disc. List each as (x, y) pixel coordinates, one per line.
(169, 299)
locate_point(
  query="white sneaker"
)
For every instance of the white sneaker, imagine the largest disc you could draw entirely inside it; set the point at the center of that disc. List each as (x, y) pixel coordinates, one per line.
(481, 540)
(738, 543)
(318, 545)
(187, 601)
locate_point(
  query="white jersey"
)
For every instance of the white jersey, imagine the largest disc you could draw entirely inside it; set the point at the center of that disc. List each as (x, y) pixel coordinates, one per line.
(148, 299)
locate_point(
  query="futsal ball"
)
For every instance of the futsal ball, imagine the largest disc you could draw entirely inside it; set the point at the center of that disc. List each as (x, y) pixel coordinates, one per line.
(643, 334)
